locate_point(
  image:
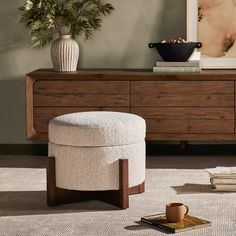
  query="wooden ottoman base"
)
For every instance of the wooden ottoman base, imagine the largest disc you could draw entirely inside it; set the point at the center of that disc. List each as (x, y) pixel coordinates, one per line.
(119, 198)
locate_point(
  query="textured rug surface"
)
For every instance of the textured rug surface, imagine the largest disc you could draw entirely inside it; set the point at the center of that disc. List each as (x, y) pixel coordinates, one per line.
(23, 209)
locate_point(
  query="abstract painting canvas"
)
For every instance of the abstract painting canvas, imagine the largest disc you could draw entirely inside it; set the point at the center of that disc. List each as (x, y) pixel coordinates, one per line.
(214, 24)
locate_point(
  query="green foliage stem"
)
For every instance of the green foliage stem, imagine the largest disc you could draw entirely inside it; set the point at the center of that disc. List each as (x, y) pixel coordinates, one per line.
(44, 18)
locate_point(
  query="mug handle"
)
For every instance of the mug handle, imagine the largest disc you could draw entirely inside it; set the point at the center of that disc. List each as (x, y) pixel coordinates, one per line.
(187, 209)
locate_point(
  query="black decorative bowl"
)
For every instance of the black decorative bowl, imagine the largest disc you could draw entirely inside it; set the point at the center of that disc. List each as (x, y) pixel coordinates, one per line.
(178, 52)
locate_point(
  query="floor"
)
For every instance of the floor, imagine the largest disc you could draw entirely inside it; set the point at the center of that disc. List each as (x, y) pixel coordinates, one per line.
(23, 209)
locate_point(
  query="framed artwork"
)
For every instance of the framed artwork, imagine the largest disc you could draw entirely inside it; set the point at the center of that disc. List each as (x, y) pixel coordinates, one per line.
(213, 22)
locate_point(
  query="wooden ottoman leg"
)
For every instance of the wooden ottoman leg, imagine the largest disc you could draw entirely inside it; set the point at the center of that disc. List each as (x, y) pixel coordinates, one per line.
(119, 198)
(51, 182)
(124, 183)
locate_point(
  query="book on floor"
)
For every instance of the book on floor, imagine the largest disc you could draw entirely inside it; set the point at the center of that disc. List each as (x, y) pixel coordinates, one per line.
(189, 223)
(224, 187)
(222, 171)
(223, 179)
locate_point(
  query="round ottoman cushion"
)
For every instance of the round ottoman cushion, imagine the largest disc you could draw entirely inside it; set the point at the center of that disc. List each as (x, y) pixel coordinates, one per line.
(97, 129)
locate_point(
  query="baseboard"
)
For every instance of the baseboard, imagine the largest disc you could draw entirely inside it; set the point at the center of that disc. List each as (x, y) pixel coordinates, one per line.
(24, 149)
(190, 149)
(153, 149)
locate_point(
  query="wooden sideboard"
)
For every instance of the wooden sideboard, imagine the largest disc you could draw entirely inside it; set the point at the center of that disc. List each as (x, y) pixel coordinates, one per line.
(176, 107)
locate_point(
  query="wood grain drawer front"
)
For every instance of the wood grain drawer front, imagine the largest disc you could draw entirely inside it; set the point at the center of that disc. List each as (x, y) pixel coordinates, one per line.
(182, 87)
(206, 113)
(42, 115)
(187, 120)
(182, 94)
(189, 126)
(82, 93)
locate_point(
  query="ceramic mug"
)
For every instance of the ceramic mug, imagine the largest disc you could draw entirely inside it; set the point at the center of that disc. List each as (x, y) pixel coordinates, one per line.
(175, 212)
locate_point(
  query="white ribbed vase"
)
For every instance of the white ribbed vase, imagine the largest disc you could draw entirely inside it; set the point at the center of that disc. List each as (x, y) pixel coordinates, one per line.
(65, 54)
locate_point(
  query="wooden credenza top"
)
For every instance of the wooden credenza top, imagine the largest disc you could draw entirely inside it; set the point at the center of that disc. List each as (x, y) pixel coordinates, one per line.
(132, 74)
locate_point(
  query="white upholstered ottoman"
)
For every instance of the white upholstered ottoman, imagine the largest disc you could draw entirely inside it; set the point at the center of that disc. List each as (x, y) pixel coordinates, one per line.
(96, 155)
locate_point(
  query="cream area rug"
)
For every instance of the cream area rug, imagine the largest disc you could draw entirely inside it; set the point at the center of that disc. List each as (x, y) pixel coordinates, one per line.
(23, 209)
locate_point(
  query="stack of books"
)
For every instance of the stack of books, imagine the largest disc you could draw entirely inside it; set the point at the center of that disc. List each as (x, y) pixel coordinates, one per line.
(223, 178)
(191, 66)
(188, 223)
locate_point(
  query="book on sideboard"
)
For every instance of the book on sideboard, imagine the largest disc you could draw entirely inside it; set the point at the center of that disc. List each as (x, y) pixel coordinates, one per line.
(189, 223)
(175, 69)
(178, 64)
(193, 65)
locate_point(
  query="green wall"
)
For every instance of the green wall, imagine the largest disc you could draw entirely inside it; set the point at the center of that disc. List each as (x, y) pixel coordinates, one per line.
(122, 43)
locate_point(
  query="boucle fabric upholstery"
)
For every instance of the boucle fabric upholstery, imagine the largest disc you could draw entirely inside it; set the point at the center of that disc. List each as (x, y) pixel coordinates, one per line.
(87, 147)
(97, 129)
(97, 168)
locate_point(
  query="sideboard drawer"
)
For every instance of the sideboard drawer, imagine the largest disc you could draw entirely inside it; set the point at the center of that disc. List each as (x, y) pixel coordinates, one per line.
(182, 93)
(209, 113)
(182, 87)
(42, 115)
(187, 120)
(81, 93)
(189, 126)
(185, 100)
